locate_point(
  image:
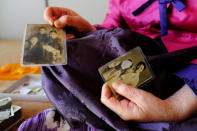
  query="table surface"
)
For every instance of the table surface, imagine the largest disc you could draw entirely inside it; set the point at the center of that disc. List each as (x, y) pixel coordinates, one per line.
(29, 108)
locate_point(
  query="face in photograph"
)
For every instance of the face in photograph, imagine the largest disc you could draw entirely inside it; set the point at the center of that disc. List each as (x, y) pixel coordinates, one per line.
(126, 64)
(53, 35)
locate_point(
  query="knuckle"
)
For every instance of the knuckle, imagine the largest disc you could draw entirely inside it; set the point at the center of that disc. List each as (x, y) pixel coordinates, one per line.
(103, 100)
(48, 8)
(66, 19)
(125, 117)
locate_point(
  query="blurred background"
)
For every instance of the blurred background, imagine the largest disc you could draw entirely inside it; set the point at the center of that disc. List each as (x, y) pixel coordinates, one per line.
(14, 14)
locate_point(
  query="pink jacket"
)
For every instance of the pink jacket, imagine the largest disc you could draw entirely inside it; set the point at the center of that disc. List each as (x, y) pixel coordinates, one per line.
(182, 26)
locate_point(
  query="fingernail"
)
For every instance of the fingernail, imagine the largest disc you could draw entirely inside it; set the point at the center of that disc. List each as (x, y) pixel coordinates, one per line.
(56, 24)
(115, 85)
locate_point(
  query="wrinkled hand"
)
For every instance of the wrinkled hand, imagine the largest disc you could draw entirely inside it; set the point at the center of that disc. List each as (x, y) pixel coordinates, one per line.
(62, 17)
(138, 105)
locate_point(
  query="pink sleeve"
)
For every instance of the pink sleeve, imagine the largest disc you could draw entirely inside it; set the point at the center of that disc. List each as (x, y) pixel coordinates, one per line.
(113, 17)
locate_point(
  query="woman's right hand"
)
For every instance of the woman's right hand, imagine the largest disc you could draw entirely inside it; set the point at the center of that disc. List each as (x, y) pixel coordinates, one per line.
(63, 17)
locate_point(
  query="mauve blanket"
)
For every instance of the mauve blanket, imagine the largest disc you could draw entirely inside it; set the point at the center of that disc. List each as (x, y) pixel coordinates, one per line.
(75, 89)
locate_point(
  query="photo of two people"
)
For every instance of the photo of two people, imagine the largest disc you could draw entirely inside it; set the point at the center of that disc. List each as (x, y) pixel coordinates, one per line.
(131, 69)
(43, 45)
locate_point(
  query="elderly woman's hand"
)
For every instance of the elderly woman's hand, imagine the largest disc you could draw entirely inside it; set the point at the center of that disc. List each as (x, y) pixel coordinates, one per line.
(142, 106)
(62, 17)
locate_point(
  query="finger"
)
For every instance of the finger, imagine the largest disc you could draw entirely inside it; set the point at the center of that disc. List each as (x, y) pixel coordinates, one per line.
(51, 14)
(122, 108)
(77, 22)
(63, 21)
(127, 91)
(107, 98)
(68, 20)
(109, 101)
(105, 93)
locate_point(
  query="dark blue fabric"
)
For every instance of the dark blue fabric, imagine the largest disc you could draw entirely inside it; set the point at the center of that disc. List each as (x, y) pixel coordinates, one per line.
(163, 13)
(143, 7)
(178, 4)
(163, 19)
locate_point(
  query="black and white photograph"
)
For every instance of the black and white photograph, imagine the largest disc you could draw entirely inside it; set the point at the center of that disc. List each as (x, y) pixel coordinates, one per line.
(131, 69)
(6, 110)
(43, 45)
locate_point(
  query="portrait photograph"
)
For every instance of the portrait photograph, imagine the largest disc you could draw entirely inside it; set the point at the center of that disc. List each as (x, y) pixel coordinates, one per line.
(131, 69)
(43, 45)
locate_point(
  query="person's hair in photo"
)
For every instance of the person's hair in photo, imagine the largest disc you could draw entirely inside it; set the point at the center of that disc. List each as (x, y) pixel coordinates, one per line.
(42, 30)
(139, 66)
(52, 31)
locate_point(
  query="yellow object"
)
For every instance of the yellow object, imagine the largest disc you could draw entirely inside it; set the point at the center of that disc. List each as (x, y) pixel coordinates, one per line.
(15, 71)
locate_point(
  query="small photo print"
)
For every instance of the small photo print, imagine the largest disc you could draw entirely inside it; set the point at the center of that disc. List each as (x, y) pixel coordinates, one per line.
(131, 69)
(43, 45)
(5, 108)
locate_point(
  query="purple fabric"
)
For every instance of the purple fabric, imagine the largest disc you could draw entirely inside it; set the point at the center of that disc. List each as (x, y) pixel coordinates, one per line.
(189, 75)
(187, 125)
(36, 123)
(75, 89)
(41, 122)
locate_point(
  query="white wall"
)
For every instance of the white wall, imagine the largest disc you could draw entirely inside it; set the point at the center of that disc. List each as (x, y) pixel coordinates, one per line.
(15, 14)
(92, 10)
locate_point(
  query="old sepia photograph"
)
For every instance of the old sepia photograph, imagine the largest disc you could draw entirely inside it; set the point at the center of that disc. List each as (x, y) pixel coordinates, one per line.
(131, 69)
(43, 45)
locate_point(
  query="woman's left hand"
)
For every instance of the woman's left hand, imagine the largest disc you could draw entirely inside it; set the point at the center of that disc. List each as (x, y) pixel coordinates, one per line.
(138, 105)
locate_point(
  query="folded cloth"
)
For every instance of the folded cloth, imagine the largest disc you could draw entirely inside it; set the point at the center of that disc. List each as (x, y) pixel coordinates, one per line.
(74, 89)
(51, 120)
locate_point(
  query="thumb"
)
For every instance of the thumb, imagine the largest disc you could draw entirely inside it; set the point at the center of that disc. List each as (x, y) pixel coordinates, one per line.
(63, 21)
(127, 91)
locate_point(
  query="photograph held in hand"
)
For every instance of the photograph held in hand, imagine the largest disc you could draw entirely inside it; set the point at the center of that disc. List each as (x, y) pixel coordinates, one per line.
(43, 45)
(131, 69)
